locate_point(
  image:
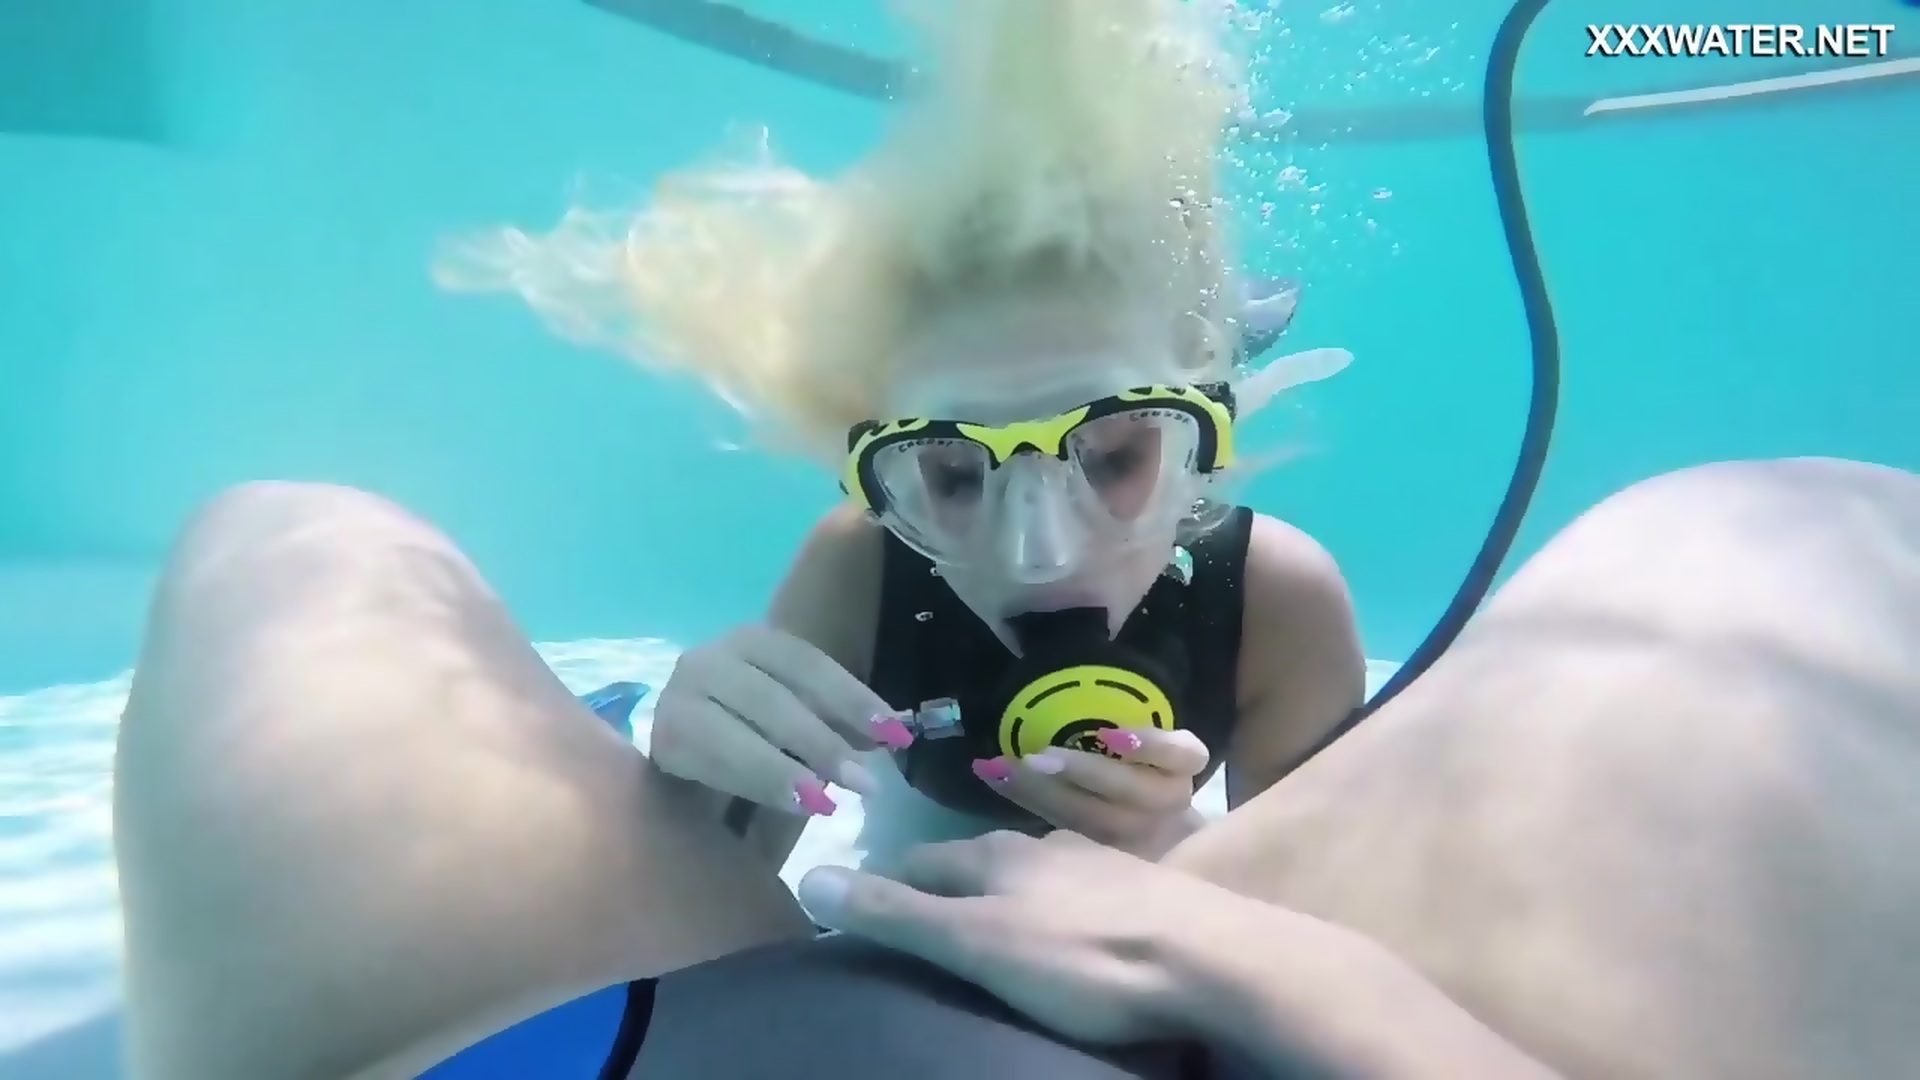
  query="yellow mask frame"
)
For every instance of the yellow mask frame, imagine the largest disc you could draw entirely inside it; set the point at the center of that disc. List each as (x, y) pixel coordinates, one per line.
(1210, 404)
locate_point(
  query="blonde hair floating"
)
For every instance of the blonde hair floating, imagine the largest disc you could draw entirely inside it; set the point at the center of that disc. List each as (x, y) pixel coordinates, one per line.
(1074, 140)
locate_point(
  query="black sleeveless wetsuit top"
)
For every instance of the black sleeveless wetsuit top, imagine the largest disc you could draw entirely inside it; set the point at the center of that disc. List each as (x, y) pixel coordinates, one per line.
(929, 645)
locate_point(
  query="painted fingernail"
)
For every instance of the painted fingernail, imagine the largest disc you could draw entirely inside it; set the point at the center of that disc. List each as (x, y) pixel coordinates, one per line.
(1118, 740)
(811, 795)
(890, 731)
(993, 770)
(855, 778)
(1046, 763)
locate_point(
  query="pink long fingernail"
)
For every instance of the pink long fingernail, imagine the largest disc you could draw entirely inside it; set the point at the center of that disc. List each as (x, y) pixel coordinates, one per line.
(993, 770)
(890, 732)
(811, 795)
(1118, 740)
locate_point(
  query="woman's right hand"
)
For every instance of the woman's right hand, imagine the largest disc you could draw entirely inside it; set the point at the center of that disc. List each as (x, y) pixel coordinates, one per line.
(765, 716)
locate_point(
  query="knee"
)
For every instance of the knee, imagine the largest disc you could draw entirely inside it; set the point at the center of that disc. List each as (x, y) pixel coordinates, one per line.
(1746, 513)
(271, 589)
(263, 497)
(1806, 557)
(273, 510)
(262, 527)
(1808, 491)
(287, 557)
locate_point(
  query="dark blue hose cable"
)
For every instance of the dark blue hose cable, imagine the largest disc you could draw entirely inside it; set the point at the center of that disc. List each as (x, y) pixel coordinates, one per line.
(1501, 159)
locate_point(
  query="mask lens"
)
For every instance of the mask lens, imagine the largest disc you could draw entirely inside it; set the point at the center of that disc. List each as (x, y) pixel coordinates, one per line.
(1137, 465)
(1126, 476)
(936, 491)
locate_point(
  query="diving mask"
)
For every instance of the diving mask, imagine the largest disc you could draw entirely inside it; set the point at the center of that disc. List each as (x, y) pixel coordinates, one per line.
(1033, 498)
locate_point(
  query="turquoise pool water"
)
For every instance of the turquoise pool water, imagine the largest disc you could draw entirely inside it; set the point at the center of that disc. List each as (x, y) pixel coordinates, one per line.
(215, 218)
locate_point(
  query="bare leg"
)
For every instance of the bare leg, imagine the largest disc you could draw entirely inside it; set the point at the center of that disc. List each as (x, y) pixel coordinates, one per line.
(1655, 815)
(360, 824)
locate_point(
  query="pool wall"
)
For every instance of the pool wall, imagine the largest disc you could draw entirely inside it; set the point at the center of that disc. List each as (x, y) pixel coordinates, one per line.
(241, 293)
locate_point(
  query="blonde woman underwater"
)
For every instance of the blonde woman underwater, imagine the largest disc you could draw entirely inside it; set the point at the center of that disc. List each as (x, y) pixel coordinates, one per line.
(1649, 817)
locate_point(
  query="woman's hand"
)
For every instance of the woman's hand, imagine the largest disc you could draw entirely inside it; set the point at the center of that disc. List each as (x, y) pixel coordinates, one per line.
(1103, 947)
(1077, 935)
(1140, 799)
(765, 716)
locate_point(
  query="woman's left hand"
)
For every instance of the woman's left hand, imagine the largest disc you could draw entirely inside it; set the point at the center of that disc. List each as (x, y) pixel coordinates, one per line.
(1104, 947)
(1139, 800)
(1077, 935)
